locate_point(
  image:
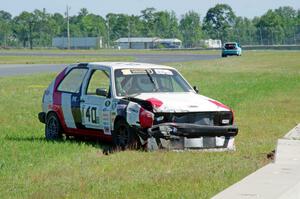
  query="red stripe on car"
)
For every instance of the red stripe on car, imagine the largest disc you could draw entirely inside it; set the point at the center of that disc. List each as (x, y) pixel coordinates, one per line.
(57, 95)
(58, 110)
(89, 132)
(219, 104)
(155, 102)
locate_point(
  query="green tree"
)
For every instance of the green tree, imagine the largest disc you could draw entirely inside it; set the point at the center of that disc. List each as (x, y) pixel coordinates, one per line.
(24, 27)
(135, 26)
(288, 17)
(5, 27)
(93, 25)
(166, 24)
(148, 18)
(119, 25)
(45, 28)
(244, 31)
(219, 21)
(59, 25)
(270, 28)
(190, 28)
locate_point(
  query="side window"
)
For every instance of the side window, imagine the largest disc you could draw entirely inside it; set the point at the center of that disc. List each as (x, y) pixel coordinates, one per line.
(73, 80)
(99, 79)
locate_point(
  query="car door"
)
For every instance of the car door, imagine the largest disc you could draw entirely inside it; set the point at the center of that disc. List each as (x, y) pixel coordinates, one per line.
(68, 96)
(96, 101)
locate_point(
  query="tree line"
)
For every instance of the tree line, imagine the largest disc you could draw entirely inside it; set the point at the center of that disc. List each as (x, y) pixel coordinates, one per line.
(37, 28)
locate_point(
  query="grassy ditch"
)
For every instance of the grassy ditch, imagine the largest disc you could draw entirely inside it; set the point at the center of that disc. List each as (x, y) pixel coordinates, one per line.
(262, 88)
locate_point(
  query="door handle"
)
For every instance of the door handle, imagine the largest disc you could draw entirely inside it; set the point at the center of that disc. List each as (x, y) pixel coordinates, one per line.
(81, 100)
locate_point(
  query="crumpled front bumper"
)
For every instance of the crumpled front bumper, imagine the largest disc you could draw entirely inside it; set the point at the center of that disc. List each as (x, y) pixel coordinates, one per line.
(182, 136)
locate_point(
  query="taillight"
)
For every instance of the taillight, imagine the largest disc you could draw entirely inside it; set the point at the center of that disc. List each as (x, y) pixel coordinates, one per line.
(146, 118)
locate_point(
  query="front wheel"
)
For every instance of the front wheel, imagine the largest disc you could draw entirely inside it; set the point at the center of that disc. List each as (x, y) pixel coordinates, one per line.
(53, 129)
(124, 136)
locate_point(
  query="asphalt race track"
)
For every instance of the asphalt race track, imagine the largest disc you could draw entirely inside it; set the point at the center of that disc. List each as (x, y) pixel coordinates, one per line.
(20, 69)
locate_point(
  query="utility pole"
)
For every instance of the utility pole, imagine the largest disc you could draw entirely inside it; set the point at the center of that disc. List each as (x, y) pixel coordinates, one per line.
(261, 38)
(68, 27)
(295, 36)
(108, 34)
(129, 42)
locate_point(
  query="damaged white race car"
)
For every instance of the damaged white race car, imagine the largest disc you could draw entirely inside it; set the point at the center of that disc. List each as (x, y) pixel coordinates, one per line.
(135, 104)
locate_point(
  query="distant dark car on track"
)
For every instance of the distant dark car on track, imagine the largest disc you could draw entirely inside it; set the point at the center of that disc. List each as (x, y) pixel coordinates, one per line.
(231, 48)
(135, 104)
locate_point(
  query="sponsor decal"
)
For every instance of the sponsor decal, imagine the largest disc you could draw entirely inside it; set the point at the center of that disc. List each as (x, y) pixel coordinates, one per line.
(136, 71)
(74, 98)
(114, 105)
(163, 72)
(126, 72)
(107, 103)
(106, 122)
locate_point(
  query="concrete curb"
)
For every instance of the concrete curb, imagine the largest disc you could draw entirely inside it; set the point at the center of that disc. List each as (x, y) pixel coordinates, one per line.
(278, 180)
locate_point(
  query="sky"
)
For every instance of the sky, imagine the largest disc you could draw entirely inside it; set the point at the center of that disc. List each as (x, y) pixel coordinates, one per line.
(244, 8)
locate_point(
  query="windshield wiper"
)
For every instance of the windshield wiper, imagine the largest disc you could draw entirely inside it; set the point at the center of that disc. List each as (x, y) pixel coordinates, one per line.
(152, 80)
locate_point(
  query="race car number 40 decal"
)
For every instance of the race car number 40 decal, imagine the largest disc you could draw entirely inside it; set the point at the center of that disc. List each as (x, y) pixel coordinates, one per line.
(91, 115)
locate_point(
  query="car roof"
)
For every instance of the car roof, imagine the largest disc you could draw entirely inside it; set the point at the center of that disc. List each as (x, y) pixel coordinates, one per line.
(121, 65)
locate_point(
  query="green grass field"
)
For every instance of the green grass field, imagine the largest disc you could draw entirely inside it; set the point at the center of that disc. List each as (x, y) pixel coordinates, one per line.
(114, 51)
(80, 55)
(263, 88)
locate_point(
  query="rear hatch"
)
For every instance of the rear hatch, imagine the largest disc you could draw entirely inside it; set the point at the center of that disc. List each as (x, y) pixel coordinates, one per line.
(230, 46)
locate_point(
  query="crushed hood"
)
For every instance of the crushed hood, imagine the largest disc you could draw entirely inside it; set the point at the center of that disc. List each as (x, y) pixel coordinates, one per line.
(182, 102)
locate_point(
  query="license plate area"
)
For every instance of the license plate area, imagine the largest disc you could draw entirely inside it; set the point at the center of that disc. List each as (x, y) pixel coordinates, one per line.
(204, 142)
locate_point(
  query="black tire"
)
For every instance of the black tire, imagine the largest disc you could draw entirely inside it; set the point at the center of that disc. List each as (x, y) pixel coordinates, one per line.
(53, 129)
(224, 56)
(124, 136)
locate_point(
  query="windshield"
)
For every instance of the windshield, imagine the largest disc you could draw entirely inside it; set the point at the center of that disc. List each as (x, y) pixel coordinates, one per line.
(134, 81)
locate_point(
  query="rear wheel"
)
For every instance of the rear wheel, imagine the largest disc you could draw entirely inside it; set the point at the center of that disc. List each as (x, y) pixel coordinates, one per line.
(124, 136)
(53, 129)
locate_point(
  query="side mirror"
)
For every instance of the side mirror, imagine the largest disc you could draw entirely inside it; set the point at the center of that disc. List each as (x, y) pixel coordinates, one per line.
(196, 89)
(101, 92)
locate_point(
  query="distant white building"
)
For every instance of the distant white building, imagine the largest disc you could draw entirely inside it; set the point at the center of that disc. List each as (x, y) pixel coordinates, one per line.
(146, 42)
(211, 43)
(77, 42)
(136, 42)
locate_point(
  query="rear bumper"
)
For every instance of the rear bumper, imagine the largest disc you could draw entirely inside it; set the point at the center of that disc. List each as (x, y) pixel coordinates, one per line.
(231, 52)
(181, 136)
(42, 117)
